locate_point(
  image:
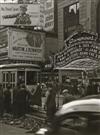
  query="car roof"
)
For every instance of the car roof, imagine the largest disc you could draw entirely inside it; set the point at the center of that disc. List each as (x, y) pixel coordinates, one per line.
(87, 105)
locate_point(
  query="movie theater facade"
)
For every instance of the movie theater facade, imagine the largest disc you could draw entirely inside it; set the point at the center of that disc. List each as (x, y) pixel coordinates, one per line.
(78, 39)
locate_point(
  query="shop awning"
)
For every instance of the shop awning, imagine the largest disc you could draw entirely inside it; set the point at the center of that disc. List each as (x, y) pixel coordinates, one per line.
(81, 64)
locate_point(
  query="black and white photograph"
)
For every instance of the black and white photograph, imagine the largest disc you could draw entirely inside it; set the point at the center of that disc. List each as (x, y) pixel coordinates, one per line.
(49, 67)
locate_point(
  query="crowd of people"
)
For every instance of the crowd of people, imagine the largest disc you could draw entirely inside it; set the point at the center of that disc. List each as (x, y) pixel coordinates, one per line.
(18, 100)
(14, 101)
(78, 89)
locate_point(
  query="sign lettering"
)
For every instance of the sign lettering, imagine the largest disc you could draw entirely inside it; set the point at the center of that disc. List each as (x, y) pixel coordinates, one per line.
(78, 47)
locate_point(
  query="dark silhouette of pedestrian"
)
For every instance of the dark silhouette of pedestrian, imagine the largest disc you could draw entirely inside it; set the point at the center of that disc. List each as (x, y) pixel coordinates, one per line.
(95, 88)
(7, 99)
(1, 100)
(92, 88)
(50, 102)
(37, 96)
(15, 100)
(23, 97)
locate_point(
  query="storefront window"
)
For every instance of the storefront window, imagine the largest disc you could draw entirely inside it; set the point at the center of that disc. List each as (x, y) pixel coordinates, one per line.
(7, 77)
(13, 76)
(4, 77)
(21, 76)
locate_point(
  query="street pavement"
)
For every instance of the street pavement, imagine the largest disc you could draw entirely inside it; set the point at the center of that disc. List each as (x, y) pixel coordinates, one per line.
(10, 130)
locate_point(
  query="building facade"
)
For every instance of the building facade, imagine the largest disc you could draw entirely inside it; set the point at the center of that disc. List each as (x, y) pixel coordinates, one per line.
(78, 39)
(86, 15)
(18, 43)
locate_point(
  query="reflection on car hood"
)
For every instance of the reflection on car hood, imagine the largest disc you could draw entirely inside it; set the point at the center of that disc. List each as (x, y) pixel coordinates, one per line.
(89, 105)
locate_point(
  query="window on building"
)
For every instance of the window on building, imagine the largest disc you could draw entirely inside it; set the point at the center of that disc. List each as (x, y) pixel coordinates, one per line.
(31, 78)
(71, 19)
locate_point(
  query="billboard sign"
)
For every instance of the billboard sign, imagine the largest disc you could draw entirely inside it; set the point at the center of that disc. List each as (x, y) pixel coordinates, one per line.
(49, 15)
(20, 14)
(3, 43)
(25, 45)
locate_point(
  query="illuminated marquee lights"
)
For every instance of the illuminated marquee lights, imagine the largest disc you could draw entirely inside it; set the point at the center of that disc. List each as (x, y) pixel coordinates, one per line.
(8, 1)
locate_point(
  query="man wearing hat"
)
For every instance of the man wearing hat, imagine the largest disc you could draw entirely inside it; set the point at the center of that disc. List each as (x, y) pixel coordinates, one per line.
(23, 17)
(67, 97)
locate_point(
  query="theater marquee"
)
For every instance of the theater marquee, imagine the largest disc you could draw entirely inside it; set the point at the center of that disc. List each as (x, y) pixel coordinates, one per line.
(81, 45)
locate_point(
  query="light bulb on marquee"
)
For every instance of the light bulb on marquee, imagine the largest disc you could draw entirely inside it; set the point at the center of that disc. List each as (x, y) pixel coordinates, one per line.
(8, 1)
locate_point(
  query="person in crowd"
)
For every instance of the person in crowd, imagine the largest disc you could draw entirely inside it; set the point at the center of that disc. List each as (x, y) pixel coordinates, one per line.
(95, 88)
(81, 90)
(67, 97)
(15, 100)
(23, 99)
(7, 99)
(69, 86)
(50, 102)
(75, 89)
(92, 88)
(37, 96)
(1, 100)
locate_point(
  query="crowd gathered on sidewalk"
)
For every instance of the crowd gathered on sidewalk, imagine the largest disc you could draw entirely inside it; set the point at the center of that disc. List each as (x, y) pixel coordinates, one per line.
(18, 101)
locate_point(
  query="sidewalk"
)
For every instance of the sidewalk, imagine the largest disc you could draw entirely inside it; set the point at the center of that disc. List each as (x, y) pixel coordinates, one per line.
(39, 113)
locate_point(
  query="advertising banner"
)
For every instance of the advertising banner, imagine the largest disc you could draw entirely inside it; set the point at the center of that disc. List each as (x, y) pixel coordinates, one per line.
(20, 14)
(42, 11)
(3, 43)
(49, 15)
(25, 45)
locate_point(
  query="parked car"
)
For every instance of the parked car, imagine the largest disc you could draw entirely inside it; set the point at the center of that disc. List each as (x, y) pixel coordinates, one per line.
(81, 117)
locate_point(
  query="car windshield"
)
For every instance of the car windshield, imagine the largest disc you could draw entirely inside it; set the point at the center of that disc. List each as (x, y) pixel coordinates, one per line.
(85, 123)
(75, 122)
